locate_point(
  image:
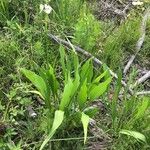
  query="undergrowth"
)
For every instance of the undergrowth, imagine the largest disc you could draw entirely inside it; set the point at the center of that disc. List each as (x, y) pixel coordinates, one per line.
(24, 46)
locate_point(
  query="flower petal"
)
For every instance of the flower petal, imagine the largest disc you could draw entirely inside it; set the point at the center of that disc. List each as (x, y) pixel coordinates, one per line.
(47, 9)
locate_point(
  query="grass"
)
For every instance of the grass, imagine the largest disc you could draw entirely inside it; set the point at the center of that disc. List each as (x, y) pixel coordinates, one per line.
(24, 44)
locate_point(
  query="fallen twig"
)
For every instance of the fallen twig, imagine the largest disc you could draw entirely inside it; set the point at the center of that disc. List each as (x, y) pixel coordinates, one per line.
(87, 54)
(140, 40)
(142, 79)
(143, 93)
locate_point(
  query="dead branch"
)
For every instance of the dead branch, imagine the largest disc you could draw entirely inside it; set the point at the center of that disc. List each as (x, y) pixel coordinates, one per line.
(142, 79)
(86, 54)
(143, 93)
(140, 40)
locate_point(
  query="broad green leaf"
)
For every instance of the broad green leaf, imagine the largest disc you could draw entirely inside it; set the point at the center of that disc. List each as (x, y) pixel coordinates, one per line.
(58, 118)
(66, 97)
(84, 70)
(82, 96)
(100, 77)
(98, 90)
(85, 121)
(142, 108)
(134, 134)
(37, 81)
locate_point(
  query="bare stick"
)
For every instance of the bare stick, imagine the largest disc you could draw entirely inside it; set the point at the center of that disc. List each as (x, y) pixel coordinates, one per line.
(142, 79)
(87, 54)
(143, 93)
(140, 40)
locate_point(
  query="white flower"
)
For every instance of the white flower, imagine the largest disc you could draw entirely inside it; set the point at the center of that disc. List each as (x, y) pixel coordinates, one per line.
(41, 7)
(137, 3)
(46, 8)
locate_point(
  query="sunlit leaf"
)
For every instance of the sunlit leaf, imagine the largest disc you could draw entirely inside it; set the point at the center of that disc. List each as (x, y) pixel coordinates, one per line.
(82, 96)
(84, 70)
(100, 77)
(58, 118)
(85, 121)
(37, 81)
(98, 90)
(66, 97)
(134, 134)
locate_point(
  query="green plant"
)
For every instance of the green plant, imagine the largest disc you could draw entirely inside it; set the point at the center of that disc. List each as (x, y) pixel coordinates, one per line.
(4, 13)
(80, 88)
(130, 117)
(87, 31)
(122, 39)
(67, 11)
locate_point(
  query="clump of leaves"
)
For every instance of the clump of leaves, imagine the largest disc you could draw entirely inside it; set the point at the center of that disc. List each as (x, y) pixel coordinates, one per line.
(87, 31)
(80, 88)
(67, 11)
(130, 118)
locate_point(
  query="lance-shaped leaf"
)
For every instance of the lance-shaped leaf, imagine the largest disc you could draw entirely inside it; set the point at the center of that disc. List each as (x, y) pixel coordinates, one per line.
(66, 97)
(37, 81)
(134, 134)
(85, 121)
(98, 90)
(100, 77)
(86, 71)
(82, 95)
(58, 118)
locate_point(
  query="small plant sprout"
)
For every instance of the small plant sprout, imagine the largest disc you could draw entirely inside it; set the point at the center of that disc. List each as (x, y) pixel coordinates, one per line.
(46, 8)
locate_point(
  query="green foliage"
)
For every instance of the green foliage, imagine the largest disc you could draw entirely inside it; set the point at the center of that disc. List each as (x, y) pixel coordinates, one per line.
(68, 92)
(87, 31)
(130, 117)
(4, 14)
(67, 11)
(58, 118)
(85, 121)
(134, 134)
(73, 88)
(121, 40)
